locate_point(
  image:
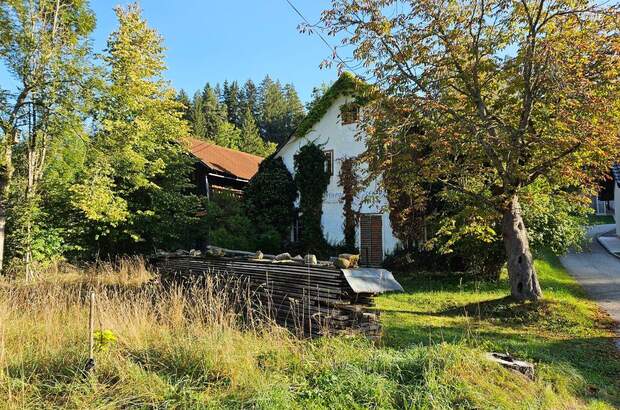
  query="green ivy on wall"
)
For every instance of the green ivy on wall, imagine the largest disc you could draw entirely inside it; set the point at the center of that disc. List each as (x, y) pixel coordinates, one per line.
(311, 178)
(347, 84)
(348, 180)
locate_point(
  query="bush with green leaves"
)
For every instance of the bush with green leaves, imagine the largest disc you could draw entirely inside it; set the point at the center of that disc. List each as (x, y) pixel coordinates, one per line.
(269, 198)
(555, 221)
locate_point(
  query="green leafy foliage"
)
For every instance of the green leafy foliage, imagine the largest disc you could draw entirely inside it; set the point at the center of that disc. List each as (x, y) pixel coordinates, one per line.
(225, 223)
(104, 340)
(135, 191)
(349, 181)
(311, 178)
(270, 196)
(556, 218)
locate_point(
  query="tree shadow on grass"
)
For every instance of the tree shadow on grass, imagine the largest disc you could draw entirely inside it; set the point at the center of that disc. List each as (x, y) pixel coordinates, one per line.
(504, 309)
(594, 359)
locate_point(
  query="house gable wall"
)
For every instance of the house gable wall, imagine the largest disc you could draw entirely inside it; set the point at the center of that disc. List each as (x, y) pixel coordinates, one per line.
(342, 140)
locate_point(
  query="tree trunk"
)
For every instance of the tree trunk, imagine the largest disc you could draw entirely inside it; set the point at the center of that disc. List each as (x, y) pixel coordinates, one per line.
(6, 174)
(523, 280)
(2, 225)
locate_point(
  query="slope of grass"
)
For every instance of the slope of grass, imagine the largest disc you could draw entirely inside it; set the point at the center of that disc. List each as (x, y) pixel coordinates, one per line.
(600, 219)
(188, 348)
(564, 333)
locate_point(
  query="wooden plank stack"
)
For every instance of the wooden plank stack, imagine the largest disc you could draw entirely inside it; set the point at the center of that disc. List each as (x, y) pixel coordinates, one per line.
(311, 300)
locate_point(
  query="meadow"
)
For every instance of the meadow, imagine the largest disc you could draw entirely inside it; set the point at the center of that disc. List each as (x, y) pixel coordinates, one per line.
(199, 347)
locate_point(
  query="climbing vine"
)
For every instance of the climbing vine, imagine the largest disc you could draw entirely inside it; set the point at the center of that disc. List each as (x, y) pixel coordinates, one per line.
(348, 180)
(311, 178)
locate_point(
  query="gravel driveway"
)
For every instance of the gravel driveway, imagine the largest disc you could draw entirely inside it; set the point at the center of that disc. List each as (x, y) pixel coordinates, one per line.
(598, 272)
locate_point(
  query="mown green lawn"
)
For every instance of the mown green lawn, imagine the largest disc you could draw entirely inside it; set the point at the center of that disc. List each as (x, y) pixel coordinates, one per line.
(564, 332)
(600, 219)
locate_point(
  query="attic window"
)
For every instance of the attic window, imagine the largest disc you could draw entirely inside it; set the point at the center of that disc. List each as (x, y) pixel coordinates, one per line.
(349, 113)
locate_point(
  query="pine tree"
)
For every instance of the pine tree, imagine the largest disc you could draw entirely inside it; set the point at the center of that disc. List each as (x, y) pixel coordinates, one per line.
(214, 111)
(317, 93)
(224, 93)
(197, 116)
(272, 111)
(295, 109)
(250, 98)
(232, 99)
(250, 139)
(183, 99)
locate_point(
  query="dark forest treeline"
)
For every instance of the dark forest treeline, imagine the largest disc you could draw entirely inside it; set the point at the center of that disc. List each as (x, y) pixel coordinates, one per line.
(245, 116)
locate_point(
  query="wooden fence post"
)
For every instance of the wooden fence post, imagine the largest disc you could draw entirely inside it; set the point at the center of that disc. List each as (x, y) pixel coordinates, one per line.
(90, 364)
(91, 327)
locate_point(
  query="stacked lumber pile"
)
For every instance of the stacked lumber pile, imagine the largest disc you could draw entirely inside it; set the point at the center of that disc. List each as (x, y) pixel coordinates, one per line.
(310, 299)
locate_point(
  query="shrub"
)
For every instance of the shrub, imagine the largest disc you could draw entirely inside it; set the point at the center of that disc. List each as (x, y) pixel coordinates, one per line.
(269, 200)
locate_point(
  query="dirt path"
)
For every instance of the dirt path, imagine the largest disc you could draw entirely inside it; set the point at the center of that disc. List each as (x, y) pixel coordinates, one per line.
(598, 272)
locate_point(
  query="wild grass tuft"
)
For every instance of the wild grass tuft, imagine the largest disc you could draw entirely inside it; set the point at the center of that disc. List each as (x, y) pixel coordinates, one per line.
(201, 346)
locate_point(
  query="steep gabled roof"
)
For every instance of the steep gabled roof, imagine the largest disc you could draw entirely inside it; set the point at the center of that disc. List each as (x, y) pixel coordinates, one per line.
(347, 84)
(236, 163)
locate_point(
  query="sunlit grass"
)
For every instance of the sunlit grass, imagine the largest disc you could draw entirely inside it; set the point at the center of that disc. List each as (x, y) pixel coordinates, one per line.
(564, 331)
(198, 348)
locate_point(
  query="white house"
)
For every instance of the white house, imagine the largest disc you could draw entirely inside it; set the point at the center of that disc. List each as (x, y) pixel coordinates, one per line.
(616, 175)
(339, 139)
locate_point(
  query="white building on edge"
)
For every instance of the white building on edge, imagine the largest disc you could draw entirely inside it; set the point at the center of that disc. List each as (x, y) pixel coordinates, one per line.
(334, 128)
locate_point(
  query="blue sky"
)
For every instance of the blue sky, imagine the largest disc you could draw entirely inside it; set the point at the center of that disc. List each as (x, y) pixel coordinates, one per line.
(214, 40)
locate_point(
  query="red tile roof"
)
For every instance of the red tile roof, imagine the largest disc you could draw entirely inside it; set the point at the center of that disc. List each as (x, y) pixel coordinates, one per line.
(237, 163)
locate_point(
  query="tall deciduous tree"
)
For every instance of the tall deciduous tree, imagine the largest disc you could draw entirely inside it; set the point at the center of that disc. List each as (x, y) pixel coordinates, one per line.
(507, 93)
(43, 46)
(136, 188)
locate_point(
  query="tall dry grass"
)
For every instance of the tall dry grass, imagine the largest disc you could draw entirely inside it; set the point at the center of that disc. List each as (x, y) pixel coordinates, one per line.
(205, 345)
(190, 334)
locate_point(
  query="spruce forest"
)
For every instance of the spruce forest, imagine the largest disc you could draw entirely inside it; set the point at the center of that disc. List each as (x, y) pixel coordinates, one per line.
(249, 118)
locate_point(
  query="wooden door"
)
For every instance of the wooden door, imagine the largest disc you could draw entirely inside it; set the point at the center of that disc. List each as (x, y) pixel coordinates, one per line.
(371, 240)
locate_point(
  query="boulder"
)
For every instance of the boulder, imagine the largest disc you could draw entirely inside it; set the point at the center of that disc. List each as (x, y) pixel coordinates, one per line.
(214, 251)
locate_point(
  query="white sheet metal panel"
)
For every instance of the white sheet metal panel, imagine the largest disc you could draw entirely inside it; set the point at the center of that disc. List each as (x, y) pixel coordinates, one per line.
(371, 280)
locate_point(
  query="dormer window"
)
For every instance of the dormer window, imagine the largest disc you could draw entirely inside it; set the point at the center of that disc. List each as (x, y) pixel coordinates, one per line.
(349, 113)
